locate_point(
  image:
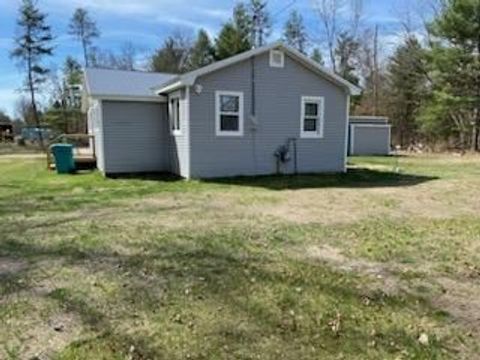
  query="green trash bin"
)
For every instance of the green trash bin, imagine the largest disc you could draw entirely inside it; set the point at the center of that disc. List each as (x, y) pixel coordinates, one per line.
(63, 154)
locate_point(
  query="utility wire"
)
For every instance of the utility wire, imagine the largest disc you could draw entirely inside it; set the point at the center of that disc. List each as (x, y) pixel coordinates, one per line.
(285, 8)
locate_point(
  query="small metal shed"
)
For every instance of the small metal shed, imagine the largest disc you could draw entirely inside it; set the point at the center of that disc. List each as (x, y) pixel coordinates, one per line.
(369, 135)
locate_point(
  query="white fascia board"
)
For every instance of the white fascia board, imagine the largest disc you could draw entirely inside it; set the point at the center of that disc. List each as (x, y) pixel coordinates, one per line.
(168, 88)
(366, 117)
(372, 125)
(159, 98)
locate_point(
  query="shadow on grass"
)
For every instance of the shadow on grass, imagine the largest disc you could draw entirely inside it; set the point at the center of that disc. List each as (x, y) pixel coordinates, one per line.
(252, 295)
(355, 178)
(155, 176)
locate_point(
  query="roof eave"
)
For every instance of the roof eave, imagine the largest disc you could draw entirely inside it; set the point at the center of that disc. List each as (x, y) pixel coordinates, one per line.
(113, 97)
(173, 86)
(189, 79)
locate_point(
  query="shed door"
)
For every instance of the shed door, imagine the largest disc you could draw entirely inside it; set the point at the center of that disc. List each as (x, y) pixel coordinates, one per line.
(135, 136)
(369, 139)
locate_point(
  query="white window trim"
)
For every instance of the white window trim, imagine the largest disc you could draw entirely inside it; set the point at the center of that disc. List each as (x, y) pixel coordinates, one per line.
(175, 132)
(321, 117)
(272, 57)
(218, 130)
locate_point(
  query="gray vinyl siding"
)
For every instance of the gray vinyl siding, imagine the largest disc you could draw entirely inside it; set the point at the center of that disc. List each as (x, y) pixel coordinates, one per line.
(178, 145)
(278, 112)
(135, 136)
(369, 139)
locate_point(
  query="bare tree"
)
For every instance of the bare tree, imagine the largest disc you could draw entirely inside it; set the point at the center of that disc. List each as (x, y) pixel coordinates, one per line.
(376, 72)
(24, 111)
(371, 67)
(261, 23)
(125, 59)
(127, 56)
(356, 16)
(331, 13)
(174, 54)
(328, 12)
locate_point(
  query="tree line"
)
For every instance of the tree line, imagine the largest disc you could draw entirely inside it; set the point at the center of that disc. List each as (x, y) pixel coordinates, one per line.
(428, 86)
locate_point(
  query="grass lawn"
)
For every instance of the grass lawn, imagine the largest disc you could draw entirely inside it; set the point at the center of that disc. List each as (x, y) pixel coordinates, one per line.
(375, 264)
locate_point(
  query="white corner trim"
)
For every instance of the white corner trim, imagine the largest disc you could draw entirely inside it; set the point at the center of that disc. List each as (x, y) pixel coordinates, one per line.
(321, 117)
(347, 130)
(102, 164)
(188, 172)
(273, 53)
(240, 113)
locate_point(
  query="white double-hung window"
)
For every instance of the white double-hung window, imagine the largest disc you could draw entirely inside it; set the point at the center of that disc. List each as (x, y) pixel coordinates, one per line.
(228, 113)
(312, 117)
(174, 115)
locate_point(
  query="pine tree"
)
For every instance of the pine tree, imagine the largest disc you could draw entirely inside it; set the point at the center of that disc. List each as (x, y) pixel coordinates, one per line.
(33, 43)
(202, 53)
(406, 89)
(317, 56)
(294, 33)
(72, 71)
(230, 42)
(242, 22)
(173, 56)
(64, 113)
(346, 53)
(85, 30)
(455, 69)
(261, 23)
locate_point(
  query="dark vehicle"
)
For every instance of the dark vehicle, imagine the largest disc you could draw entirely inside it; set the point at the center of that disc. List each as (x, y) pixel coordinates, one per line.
(6, 132)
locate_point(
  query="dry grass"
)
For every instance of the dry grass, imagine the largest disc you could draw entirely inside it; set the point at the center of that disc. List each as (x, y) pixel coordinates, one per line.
(355, 266)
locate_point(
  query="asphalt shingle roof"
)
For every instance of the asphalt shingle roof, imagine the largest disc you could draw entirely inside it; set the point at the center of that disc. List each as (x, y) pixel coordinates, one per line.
(105, 82)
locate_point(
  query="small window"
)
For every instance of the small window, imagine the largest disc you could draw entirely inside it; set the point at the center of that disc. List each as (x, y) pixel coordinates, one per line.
(312, 117)
(277, 58)
(229, 113)
(174, 112)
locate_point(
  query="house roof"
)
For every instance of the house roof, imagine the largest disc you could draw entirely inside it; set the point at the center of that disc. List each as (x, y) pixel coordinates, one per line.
(105, 83)
(189, 78)
(147, 86)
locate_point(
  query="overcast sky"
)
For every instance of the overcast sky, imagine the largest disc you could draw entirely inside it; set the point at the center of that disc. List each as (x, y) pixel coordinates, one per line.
(146, 23)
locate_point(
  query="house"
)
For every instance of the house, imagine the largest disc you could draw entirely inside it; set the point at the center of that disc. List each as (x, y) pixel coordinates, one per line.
(268, 110)
(369, 135)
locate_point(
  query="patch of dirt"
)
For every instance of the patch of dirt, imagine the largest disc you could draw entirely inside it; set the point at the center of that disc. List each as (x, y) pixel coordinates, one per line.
(10, 266)
(459, 298)
(181, 211)
(44, 339)
(26, 156)
(322, 206)
(380, 273)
